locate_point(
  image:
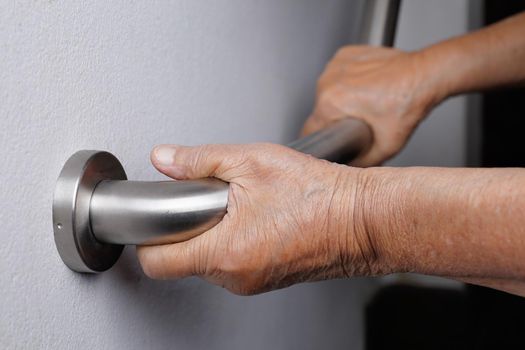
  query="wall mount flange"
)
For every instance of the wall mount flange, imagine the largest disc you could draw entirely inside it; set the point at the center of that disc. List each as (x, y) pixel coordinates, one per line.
(76, 244)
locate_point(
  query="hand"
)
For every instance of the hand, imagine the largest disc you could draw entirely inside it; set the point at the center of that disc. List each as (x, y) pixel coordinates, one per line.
(382, 86)
(291, 218)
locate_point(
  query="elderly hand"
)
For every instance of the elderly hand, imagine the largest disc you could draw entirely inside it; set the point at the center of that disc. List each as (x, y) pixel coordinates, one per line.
(291, 218)
(386, 88)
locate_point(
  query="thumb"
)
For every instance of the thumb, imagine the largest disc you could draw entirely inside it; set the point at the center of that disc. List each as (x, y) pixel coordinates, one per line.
(183, 162)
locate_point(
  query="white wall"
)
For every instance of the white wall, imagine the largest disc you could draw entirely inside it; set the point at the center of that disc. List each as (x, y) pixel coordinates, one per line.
(123, 76)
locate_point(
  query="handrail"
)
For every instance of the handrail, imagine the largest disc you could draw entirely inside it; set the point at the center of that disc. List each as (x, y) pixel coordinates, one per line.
(379, 22)
(96, 210)
(140, 212)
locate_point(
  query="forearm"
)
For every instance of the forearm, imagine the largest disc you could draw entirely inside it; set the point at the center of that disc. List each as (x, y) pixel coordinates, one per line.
(459, 223)
(488, 58)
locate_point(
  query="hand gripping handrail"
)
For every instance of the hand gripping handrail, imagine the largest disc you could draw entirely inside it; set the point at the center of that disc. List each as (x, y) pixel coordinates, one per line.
(96, 211)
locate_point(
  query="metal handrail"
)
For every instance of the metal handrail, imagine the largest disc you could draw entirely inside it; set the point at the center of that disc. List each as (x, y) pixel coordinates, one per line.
(96, 210)
(140, 212)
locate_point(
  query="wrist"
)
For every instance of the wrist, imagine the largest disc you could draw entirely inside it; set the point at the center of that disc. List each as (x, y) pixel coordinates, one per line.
(368, 237)
(433, 82)
(381, 217)
(453, 67)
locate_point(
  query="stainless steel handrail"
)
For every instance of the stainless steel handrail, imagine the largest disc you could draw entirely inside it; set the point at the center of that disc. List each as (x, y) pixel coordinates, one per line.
(379, 22)
(96, 210)
(138, 212)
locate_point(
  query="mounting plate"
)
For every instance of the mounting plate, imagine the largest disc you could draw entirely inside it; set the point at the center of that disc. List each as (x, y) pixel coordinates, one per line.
(76, 244)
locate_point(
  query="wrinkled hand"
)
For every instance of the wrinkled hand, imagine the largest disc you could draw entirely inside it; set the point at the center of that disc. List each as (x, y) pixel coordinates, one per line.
(385, 87)
(290, 218)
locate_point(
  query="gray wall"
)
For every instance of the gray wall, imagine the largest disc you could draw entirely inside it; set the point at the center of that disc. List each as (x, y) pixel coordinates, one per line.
(123, 76)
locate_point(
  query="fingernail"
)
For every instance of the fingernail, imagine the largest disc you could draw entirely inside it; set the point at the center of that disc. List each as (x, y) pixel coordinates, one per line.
(164, 155)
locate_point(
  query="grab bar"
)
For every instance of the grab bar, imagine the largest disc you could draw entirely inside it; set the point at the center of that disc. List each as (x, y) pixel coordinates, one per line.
(96, 211)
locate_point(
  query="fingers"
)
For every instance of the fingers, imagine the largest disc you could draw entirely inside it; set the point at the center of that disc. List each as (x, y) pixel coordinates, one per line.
(312, 125)
(326, 112)
(315, 122)
(183, 162)
(375, 156)
(172, 260)
(370, 158)
(352, 51)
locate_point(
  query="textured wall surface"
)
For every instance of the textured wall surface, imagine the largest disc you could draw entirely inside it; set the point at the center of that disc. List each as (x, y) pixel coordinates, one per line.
(123, 76)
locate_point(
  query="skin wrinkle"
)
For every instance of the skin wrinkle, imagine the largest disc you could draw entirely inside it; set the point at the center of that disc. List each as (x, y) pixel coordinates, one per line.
(292, 218)
(383, 213)
(342, 248)
(274, 265)
(404, 222)
(383, 197)
(465, 230)
(211, 254)
(371, 244)
(358, 232)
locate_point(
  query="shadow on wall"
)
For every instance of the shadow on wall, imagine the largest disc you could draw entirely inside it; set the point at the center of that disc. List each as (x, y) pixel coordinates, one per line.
(197, 315)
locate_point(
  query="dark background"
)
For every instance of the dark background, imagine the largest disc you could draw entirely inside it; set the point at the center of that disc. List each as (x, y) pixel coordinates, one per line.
(408, 317)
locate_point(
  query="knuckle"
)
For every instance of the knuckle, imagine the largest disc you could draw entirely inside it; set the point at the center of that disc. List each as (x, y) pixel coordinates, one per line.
(327, 97)
(273, 148)
(200, 154)
(205, 159)
(343, 51)
(260, 154)
(350, 50)
(330, 77)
